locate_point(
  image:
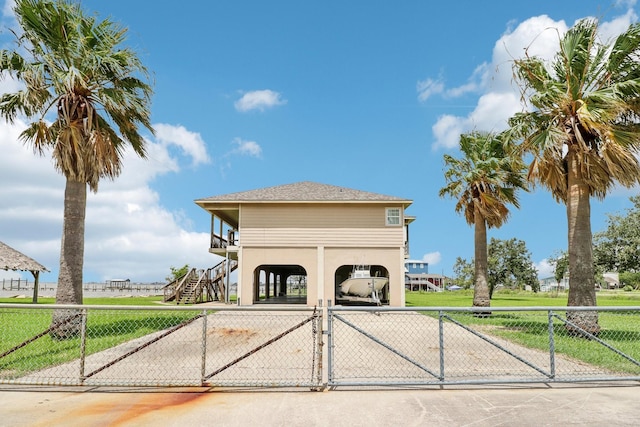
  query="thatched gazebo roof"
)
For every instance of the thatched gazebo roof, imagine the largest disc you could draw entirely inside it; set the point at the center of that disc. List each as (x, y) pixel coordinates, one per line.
(11, 259)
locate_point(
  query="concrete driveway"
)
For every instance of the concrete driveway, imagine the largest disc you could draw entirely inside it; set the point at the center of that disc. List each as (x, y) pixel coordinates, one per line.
(557, 405)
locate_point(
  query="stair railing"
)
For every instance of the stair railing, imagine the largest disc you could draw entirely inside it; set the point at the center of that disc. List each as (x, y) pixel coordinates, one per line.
(182, 284)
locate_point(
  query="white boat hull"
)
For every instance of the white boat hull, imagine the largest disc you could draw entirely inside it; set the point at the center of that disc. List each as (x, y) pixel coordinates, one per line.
(363, 286)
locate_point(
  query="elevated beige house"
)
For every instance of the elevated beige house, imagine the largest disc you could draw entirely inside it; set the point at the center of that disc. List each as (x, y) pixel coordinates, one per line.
(297, 243)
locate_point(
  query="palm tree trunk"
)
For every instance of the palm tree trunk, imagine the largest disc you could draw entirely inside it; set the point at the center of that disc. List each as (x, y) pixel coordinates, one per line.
(581, 275)
(481, 287)
(69, 289)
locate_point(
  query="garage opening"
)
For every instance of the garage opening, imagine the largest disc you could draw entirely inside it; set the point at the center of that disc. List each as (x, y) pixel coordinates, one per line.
(280, 284)
(362, 285)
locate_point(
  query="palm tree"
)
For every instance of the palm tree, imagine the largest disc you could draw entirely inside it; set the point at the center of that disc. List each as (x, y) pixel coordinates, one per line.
(583, 132)
(484, 181)
(85, 98)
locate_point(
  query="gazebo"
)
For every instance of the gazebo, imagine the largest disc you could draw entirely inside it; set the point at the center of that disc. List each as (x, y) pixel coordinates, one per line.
(11, 259)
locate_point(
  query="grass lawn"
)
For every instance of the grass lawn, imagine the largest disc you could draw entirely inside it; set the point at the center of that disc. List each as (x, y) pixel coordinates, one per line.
(620, 330)
(105, 329)
(464, 298)
(108, 328)
(138, 300)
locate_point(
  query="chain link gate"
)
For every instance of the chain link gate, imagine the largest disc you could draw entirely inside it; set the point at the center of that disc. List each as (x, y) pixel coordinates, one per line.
(160, 346)
(385, 346)
(271, 346)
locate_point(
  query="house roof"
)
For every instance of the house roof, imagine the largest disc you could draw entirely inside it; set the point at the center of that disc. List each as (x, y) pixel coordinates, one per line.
(305, 191)
(11, 259)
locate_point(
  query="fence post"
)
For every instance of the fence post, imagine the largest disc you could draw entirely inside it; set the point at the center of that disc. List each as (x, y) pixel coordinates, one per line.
(552, 347)
(441, 343)
(203, 366)
(83, 344)
(317, 328)
(329, 342)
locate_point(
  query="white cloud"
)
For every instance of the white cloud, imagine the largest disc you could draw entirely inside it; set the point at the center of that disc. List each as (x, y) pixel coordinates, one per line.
(432, 258)
(8, 17)
(427, 88)
(545, 269)
(128, 233)
(259, 100)
(499, 95)
(610, 29)
(248, 148)
(499, 98)
(447, 130)
(191, 143)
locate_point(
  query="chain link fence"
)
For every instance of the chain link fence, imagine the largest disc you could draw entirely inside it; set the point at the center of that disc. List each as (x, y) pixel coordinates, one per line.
(158, 346)
(268, 346)
(436, 346)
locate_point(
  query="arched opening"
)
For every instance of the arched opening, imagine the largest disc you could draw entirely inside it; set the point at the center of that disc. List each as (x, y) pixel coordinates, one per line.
(362, 285)
(279, 284)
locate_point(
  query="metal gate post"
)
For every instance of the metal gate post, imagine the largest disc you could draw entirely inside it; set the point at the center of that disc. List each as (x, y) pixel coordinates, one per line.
(318, 322)
(552, 347)
(83, 343)
(329, 343)
(441, 343)
(203, 365)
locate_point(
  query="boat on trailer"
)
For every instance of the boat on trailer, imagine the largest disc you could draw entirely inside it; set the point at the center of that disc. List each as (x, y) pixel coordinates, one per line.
(361, 284)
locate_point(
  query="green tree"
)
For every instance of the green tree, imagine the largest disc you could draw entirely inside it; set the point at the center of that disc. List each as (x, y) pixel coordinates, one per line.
(85, 98)
(177, 273)
(484, 181)
(464, 273)
(630, 279)
(618, 247)
(510, 265)
(560, 263)
(582, 132)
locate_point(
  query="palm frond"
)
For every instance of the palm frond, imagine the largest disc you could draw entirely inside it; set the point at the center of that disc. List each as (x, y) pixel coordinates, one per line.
(78, 70)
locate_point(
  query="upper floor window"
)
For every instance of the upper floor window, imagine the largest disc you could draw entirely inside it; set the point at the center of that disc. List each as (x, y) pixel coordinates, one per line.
(393, 216)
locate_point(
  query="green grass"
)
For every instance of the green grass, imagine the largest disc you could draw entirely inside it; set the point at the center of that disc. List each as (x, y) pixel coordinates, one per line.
(464, 298)
(151, 300)
(105, 329)
(620, 330)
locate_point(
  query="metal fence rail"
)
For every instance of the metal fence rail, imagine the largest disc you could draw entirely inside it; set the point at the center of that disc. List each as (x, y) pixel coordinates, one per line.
(159, 346)
(436, 346)
(268, 346)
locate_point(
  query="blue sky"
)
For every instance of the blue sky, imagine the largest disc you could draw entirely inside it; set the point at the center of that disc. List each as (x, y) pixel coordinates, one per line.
(248, 94)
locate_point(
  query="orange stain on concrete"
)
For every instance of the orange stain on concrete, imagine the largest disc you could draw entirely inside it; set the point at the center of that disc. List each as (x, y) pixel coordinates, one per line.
(126, 409)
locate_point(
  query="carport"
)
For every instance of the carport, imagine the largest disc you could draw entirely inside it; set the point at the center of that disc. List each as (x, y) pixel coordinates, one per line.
(11, 259)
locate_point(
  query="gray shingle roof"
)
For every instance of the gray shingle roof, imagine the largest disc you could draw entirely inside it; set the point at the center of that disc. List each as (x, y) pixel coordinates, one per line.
(11, 259)
(304, 192)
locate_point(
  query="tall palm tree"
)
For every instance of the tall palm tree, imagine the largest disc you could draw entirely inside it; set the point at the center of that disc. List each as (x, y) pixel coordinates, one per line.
(584, 133)
(85, 97)
(484, 181)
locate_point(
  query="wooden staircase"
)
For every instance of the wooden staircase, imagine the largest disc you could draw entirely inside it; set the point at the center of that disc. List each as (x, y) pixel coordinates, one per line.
(200, 285)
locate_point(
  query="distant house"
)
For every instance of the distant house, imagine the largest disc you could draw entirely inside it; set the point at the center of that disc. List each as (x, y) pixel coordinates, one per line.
(416, 267)
(417, 277)
(549, 284)
(296, 243)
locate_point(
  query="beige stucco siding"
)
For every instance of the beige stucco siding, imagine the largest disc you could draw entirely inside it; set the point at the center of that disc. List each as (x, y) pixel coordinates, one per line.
(312, 215)
(321, 264)
(391, 259)
(318, 225)
(304, 257)
(296, 237)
